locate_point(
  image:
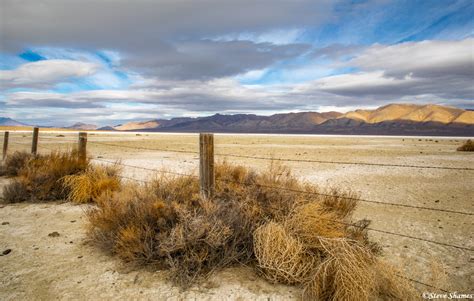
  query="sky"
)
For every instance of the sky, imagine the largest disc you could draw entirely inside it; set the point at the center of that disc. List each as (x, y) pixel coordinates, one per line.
(107, 62)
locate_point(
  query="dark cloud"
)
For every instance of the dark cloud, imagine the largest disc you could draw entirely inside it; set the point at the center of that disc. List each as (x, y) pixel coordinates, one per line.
(211, 59)
(165, 38)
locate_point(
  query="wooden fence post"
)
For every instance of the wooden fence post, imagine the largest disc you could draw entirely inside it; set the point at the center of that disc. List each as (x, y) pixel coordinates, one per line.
(82, 149)
(34, 143)
(206, 164)
(5, 144)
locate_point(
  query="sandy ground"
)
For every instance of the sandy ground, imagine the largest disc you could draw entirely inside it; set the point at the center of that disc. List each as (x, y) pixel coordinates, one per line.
(43, 267)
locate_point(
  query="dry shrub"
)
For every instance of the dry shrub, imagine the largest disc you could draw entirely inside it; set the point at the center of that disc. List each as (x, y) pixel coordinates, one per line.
(348, 272)
(41, 176)
(281, 257)
(94, 181)
(16, 191)
(290, 237)
(312, 222)
(468, 146)
(391, 286)
(14, 163)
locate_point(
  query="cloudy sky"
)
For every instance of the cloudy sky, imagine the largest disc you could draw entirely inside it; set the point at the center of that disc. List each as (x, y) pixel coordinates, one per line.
(110, 61)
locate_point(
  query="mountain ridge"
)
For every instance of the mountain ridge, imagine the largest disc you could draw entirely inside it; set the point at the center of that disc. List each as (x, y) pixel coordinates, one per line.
(388, 119)
(391, 119)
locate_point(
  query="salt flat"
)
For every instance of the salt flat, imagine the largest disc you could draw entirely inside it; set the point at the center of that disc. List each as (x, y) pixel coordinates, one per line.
(435, 188)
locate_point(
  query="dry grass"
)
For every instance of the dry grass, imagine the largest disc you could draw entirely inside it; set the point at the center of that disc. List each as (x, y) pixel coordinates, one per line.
(282, 258)
(468, 146)
(14, 163)
(293, 238)
(89, 185)
(40, 177)
(305, 239)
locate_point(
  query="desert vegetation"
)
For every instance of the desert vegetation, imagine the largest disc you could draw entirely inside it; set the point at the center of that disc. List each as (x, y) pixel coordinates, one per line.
(307, 240)
(55, 176)
(304, 239)
(467, 146)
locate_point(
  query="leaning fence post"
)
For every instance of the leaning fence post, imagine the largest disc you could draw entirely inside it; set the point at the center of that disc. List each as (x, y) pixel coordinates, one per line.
(5, 144)
(82, 149)
(34, 143)
(206, 164)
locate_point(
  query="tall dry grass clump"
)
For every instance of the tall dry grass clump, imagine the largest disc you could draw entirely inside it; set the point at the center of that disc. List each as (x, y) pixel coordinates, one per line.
(90, 184)
(40, 177)
(295, 238)
(468, 146)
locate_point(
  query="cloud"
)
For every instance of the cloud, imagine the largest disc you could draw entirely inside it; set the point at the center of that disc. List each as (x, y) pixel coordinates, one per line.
(44, 73)
(424, 59)
(170, 39)
(440, 68)
(208, 59)
(120, 24)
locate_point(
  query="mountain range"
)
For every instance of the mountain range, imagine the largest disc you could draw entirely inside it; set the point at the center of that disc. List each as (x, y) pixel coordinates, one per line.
(5, 121)
(392, 119)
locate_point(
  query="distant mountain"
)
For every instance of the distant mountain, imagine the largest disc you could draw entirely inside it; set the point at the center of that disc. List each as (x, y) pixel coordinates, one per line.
(393, 119)
(130, 126)
(416, 113)
(106, 128)
(83, 126)
(5, 121)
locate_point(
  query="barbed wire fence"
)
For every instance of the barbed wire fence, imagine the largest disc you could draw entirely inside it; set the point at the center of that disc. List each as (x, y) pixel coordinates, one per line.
(207, 179)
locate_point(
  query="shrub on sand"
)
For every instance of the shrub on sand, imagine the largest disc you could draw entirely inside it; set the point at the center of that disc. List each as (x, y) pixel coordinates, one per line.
(468, 146)
(14, 163)
(289, 237)
(87, 186)
(40, 178)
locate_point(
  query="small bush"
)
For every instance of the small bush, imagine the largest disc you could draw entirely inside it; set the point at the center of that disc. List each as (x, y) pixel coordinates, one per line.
(468, 146)
(14, 163)
(87, 186)
(41, 177)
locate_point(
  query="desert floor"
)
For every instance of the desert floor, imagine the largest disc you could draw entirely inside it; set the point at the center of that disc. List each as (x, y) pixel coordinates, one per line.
(66, 267)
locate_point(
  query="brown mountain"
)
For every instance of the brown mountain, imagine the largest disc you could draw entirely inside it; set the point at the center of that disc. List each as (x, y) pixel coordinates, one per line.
(393, 119)
(410, 112)
(130, 126)
(82, 126)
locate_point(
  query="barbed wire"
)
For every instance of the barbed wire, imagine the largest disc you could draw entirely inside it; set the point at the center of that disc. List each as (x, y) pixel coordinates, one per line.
(304, 192)
(146, 148)
(422, 283)
(145, 168)
(369, 229)
(284, 159)
(345, 162)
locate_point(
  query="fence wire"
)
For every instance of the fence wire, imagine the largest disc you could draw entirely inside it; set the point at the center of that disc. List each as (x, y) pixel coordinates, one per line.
(464, 248)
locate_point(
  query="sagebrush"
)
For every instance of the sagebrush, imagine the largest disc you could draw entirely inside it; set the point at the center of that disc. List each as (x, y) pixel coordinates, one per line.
(305, 239)
(468, 146)
(14, 163)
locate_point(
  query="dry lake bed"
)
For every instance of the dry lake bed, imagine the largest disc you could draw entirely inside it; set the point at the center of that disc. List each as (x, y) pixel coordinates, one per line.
(66, 267)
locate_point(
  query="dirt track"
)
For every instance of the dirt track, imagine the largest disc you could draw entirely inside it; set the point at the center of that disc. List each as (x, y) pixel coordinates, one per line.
(54, 269)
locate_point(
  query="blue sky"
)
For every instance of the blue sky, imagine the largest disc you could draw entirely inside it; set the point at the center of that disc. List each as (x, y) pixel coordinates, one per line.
(111, 62)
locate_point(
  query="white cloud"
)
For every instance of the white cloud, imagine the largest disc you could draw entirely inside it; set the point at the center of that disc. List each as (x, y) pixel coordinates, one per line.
(45, 72)
(443, 69)
(423, 59)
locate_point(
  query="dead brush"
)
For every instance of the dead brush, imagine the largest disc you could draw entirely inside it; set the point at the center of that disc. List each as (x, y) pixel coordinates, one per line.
(468, 146)
(40, 178)
(87, 186)
(290, 237)
(14, 163)
(348, 272)
(281, 257)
